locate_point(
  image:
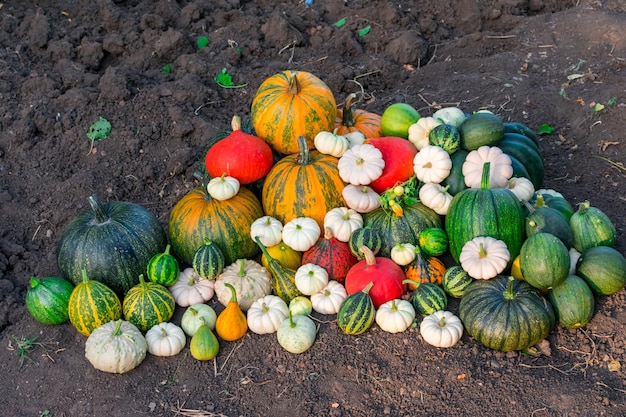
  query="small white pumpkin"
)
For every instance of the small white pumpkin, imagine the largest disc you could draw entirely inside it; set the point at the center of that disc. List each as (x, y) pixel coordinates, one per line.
(395, 316)
(419, 131)
(484, 257)
(190, 288)
(330, 143)
(310, 278)
(268, 229)
(116, 347)
(301, 233)
(165, 339)
(452, 116)
(500, 167)
(574, 255)
(296, 334)
(249, 278)
(195, 316)
(435, 197)
(355, 138)
(300, 306)
(342, 221)
(403, 253)
(266, 314)
(432, 164)
(361, 164)
(441, 329)
(223, 188)
(522, 187)
(361, 198)
(329, 299)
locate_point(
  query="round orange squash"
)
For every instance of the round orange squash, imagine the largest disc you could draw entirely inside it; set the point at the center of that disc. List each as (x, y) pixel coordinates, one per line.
(305, 184)
(357, 120)
(197, 216)
(291, 104)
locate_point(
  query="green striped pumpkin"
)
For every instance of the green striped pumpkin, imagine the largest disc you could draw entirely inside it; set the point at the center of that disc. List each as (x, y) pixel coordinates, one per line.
(163, 268)
(544, 261)
(357, 313)
(284, 282)
(208, 261)
(305, 184)
(291, 104)
(603, 268)
(505, 314)
(591, 227)
(433, 241)
(427, 297)
(365, 236)
(573, 302)
(446, 136)
(456, 280)
(92, 304)
(148, 304)
(524, 150)
(197, 216)
(47, 299)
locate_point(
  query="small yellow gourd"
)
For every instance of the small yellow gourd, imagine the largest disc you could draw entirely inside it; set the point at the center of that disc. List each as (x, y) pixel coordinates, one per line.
(231, 323)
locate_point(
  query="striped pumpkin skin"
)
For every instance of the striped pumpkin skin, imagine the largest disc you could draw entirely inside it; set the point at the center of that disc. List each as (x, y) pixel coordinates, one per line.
(197, 216)
(148, 304)
(455, 281)
(284, 282)
(208, 261)
(306, 184)
(428, 298)
(356, 313)
(47, 299)
(425, 268)
(365, 236)
(292, 104)
(91, 305)
(505, 314)
(163, 268)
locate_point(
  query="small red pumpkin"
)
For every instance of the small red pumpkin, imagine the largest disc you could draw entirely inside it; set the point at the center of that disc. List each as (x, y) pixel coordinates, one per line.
(240, 155)
(386, 275)
(331, 254)
(398, 154)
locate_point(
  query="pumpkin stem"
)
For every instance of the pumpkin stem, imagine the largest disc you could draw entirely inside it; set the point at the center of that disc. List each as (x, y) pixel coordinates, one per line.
(142, 282)
(204, 182)
(410, 281)
(529, 206)
(163, 332)
(347, 117)
(34, 282)
(264, 249)
(99, 212)
(509, 293)
(84, 275)
(235, 123)
(291, 323)
(482, 253)
(328, 233)
(118, 328)
(233, 297)
(442, 321)
(368, 287)
(484, 180)
(167, 249)
(394, 307)
(304, 156)
(242, 268)
(294, 84)
(584, 206)
(370, 258)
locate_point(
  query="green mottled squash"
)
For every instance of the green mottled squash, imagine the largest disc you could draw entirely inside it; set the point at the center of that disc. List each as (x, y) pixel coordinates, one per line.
(208, 261)
(544, 261)
(480, 129)
(433, 241)
(446, 136)
(365, 236)
(47, 299)
(573, 302)
(357, 313)
(603, 268)
(92, 304)
(148, 304)
(591, 227)
(163, 268)
(113, 242)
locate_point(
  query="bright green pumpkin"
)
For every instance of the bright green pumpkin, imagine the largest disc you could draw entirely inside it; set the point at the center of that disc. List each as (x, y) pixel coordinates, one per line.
(544, 261)
(603, 268)
(163, 268)
(591, 227)
(47, 299)
(148, 304)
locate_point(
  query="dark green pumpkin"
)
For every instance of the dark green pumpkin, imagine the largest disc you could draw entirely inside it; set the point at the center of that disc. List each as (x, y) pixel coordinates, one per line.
(485, 212)
(148, 304)
(456, 280)
(544, 261)
(527, 153)
(427, 297)
(47, 299)
(113, 242)
(357, 313)
(549, 220)
(208, 261)
(560, 204)
(481, 129)
(405, 228)
(573, 302)
(446, 136)
(603, 268)
(591, 227)
(506, 314)
(455, 181)
(163, 268)
(365, 236)
(517, 127)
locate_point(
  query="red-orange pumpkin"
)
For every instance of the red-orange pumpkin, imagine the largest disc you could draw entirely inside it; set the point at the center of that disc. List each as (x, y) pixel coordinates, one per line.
(357, 120)
(305, 184)
(398, 154)
(197, 216)
(291, 104)
(425, 268)
(331, 254)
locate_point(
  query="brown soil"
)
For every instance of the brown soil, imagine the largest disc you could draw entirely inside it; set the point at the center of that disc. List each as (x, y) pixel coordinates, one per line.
(64, 64)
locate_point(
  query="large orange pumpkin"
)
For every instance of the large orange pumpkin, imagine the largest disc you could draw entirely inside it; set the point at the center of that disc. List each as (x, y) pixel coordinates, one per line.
(357, 120)
(305, 184)
(292, 104)
(197, 216)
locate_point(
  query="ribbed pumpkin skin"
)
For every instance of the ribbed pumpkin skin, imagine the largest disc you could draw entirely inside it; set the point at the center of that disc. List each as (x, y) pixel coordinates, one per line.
(356, 313)
(527, 153)
(113, 241)
(208, 261)
(549, 220)
(544, 261)
(591, 227)
(356, 120)
(428, 298)
(91, 305)
(425, 268)
(333, 255)
(47, 299)
(281, 112)
(163, 268)
(505, 320)
(405, 228)
(365, 236)
(455, 281)
(148, 304)
(295, 188)
(197, 216)
(573, 302)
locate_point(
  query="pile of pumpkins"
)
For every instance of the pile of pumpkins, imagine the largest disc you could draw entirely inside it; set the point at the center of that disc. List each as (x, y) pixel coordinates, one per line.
(343, 212)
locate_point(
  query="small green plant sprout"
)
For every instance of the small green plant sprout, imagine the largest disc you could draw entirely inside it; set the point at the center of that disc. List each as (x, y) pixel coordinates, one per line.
(167, 69)
(224, 80)
(202, 42)
(99, 131)
(339, 23)
(365, 30)
(23, 347)
(545, 129)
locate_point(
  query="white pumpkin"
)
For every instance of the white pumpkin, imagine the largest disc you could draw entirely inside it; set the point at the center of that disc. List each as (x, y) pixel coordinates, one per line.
(310, 278)
(342, 222)
(361, 198)
(268, 229)
(395, 316)
(355, 138)
(522, 187)
(403, 253)
(190, 288)
(419, 132)
(249, 278)
(500, 167)
(195, 316)
(441, 329)
(266, 314)
(296, 334)
(484, 257)
(223, 188)
(165, 339)
(300, 306)
(452, 116)
(330, 143)
(301, 233)
(361, 164)
(329, 299)
(435, 197)
(432, 164)
(116, 347)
